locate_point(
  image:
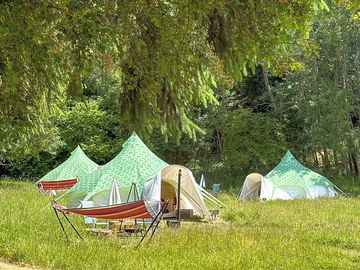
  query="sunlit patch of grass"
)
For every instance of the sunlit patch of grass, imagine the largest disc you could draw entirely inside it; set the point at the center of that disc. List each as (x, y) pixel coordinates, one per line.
(301, 234)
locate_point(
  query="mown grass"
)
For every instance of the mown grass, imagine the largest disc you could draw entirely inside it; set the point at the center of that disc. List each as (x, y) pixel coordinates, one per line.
(301, 234)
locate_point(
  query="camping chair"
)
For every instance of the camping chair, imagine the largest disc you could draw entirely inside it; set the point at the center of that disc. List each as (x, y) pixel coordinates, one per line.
(216, 188)
(92, 220)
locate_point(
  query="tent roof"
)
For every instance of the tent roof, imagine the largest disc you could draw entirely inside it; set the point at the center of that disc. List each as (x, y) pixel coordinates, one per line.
(290, 172)
(78, 165)
(134, 164)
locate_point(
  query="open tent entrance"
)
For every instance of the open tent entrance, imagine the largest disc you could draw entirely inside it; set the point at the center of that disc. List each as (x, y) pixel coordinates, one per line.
(164, 186)
(169, 188)
(168, 193)
(252, 186)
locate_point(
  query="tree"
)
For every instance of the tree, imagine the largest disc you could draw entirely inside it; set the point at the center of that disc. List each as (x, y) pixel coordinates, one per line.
(321, 102)
(100, 134)
(169, 54)
(252, 141)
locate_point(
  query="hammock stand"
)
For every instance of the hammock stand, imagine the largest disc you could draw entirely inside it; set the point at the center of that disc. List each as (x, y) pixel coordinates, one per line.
(132, 210)
(58, 207)
(134, 190)
(136, 197)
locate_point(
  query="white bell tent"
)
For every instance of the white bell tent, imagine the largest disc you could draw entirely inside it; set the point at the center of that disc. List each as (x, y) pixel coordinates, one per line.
(164, 186)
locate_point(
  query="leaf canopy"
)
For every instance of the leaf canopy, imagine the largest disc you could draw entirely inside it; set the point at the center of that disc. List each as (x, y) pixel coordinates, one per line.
(171, 54)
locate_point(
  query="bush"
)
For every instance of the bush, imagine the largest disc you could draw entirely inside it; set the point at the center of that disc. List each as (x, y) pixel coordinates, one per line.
(252, 141)
(99, 133)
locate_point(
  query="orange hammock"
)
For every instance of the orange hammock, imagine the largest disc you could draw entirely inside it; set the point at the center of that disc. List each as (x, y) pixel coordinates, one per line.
(56, 184)
(131, 210)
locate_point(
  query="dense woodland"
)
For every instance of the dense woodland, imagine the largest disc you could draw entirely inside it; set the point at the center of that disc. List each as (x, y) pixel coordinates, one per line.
(225, 90)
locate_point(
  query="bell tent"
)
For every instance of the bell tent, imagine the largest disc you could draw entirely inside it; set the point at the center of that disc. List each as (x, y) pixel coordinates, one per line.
(164, 186)
(75, 168)
(134, 164)
(288, 180)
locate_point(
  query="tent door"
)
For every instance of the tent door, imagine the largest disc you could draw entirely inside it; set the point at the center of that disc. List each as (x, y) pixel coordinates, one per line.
(168, 192)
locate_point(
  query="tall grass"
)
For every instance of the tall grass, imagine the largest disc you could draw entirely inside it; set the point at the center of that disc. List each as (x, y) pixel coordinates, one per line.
(301, 234)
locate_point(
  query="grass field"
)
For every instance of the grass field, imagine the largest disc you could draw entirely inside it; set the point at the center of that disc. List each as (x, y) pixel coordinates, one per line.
(301, 234)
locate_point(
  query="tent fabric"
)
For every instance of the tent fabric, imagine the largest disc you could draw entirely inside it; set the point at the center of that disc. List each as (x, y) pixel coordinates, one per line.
(290, 172)
(164, 185)
(267, 187)
(202, 182)
(56, 184)
(132, 210)
(210, 198)
(288, 180)
(77, 166)
(114, 197)
(251, 186)
(134, 164)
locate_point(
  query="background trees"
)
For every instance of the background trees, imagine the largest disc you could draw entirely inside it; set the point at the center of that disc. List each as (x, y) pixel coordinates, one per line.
(170, 55)
(246, 79)
(323, 98)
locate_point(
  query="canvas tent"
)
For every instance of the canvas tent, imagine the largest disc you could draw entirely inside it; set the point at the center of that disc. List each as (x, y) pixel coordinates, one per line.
(164, 185)
(77, 166)
(134, 164)
(288, 180)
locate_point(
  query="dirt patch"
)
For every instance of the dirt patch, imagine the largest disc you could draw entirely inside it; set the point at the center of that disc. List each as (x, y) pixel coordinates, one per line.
(9, 266)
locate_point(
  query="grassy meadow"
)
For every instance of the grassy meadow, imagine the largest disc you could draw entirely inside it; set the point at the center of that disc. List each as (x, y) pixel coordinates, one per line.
(301, 234)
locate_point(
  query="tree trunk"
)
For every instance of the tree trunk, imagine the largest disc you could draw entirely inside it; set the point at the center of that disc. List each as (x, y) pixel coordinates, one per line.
(268, 88)
(316, 161)
(336, 160)
(322, 159)
(326, 159)
(218, 138)
(355, 163)
(352, 149)
(350, 164)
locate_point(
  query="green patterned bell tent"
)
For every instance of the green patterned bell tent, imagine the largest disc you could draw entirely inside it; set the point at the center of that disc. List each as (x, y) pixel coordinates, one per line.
(78, 166)
(291, 174)
(136, 163)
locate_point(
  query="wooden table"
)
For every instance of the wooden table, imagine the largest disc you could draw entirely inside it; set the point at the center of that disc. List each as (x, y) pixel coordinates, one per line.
(122, 225)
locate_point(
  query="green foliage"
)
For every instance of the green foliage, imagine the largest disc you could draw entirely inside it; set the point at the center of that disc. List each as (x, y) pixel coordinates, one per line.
(90, 74)
(34, 167)
(183, 153)
(104, 83)
(32, 154)
(98, 133)
(320, 104)
(170, 54)
(251, 141)
(301, 234)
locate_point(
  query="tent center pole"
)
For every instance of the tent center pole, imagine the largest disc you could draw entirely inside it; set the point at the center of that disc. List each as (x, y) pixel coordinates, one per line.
(178, 197)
